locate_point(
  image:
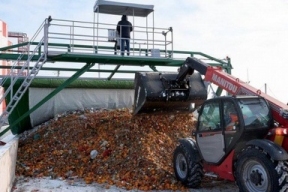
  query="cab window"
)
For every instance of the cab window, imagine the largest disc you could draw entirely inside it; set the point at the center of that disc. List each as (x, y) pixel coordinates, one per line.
(231, 119)
(209, 118)
(255, 112)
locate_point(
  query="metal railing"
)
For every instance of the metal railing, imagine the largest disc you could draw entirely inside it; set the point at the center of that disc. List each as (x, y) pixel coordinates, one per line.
(79, 37)
(144, 41)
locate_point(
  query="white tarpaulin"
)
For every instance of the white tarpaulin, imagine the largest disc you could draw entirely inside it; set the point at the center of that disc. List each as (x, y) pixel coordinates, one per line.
(118, 8)
(76, 99)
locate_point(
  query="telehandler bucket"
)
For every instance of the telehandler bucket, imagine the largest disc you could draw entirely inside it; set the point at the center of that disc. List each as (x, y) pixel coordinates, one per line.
(160, 92)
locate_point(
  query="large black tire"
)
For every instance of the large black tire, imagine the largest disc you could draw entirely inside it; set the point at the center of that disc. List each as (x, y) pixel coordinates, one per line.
(257, 172)
(189, 172)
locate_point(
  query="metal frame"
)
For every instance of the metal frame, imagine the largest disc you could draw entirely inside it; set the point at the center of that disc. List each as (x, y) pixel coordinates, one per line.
(46, 47)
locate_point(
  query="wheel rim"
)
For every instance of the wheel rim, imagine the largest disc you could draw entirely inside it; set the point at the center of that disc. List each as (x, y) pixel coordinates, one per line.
(255, 176)
(181, 165)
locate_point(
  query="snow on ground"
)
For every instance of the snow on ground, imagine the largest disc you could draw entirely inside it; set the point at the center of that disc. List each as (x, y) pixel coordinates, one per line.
(56, 185)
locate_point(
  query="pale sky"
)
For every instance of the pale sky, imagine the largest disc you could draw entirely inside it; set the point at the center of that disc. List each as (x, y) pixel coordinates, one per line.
(253, 33)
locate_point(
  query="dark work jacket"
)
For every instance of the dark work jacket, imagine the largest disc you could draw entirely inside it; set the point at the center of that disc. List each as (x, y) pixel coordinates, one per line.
(124, 28)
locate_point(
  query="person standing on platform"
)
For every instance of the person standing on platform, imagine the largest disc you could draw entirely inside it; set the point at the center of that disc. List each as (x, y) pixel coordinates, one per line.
(124, 27)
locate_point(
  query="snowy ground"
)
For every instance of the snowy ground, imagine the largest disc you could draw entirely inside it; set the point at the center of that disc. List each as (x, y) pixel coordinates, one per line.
(56, 185)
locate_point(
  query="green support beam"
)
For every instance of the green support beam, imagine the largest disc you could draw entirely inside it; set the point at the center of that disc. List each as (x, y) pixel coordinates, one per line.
(14, 57)
(90, 83)
(113, 72)
(73, 69)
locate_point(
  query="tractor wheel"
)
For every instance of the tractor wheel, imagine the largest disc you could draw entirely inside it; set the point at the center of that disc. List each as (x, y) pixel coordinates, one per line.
(257, 172)
(189, 172)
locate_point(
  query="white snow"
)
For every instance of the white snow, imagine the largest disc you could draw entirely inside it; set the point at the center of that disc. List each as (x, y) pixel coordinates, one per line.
(56, 185)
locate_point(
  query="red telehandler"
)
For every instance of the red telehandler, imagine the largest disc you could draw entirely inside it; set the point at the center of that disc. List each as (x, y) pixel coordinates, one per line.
(242, 137)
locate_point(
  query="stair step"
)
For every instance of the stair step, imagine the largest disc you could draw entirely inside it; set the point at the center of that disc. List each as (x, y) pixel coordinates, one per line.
(34, 72)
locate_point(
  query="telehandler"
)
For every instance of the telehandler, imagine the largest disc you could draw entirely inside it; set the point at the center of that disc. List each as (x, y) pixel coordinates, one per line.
(242, 137)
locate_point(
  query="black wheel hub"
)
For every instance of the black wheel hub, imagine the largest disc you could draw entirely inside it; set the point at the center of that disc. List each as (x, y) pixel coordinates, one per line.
(256, 178)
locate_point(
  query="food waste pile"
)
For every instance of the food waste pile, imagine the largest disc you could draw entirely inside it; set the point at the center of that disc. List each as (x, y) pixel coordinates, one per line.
(111, 147)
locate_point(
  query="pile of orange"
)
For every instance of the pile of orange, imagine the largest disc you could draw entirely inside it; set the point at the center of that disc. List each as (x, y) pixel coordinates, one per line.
(106, 146)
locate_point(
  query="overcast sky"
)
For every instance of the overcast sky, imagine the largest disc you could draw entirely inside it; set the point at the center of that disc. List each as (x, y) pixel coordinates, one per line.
(253, 33)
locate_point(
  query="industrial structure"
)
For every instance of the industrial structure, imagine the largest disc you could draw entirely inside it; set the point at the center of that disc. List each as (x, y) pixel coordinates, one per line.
(58, 44)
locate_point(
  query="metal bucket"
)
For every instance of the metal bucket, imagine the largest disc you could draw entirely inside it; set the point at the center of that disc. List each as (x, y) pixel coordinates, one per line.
(159, 92)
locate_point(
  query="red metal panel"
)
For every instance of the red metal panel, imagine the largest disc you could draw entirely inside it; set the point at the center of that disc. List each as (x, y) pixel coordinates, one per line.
(224, 170)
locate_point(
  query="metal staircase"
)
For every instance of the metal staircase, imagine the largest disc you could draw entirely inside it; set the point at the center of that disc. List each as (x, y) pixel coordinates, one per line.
(16, 74)
(15, 97)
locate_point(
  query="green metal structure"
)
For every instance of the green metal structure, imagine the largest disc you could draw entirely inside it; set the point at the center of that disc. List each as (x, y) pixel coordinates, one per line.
(68, 56)
(51, 44)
